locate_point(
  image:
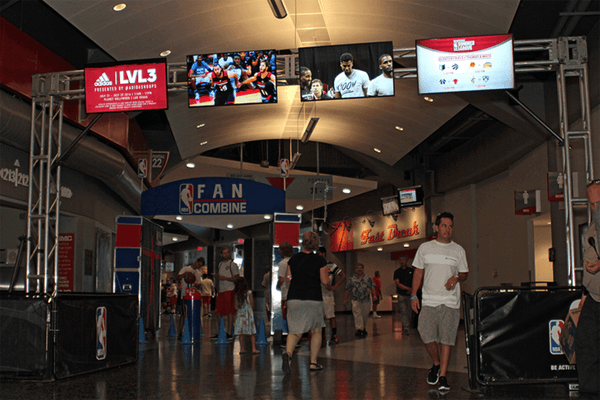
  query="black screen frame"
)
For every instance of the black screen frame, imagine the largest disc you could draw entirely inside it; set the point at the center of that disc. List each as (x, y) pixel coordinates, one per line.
(269, 53)
(324, 62)
(418, 194)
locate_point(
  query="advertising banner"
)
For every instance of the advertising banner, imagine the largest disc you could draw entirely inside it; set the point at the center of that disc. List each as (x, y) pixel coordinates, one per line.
(375, 229)
(213, 196)
(127, 86)
(66, 261)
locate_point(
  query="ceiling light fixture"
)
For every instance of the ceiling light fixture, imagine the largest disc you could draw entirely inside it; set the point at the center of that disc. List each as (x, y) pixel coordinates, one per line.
(119, 7)
(267, 217)
(175, 238)
(200, 126)
(299, 207)
(295, 160)
(428, 99)
(278, 8)
(203, 143)
(190, 165)
(376, 150)
(230, 226)
(346, 190)
(179, 218)
(380, 249)
(399, 128)
(309, 129)
(165, 53)
(406, 245)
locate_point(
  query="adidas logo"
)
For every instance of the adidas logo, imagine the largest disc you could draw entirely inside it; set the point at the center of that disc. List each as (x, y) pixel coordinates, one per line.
(103, 80)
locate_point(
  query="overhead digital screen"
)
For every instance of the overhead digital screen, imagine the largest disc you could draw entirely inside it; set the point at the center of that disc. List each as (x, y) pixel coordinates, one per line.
(126, 86)
(411, 197)
(346, 71)
(390, 205)
(464, 64)
(243, 77)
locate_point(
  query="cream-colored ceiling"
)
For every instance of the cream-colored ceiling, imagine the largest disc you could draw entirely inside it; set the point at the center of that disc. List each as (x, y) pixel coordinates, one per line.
(147, 27)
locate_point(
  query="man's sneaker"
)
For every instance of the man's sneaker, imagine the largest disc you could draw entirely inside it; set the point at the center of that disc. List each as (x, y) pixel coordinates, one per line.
(214, 337)
(364, 332)
(434, 375)
(358, 333)
(229, 337)
(444, 387)
(334, 339)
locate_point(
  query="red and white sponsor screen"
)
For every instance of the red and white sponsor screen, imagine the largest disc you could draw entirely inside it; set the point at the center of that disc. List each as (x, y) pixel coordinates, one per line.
(465, 64)
(135, 86)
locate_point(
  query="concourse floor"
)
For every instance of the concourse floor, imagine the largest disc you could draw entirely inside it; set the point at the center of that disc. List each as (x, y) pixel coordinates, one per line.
(385, 365)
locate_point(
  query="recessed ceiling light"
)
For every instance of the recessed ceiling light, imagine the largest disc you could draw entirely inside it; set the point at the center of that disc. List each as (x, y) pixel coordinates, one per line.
(299, 207)
(406, 245)
(203, 143)
(230, 226)
(179, 218)
(399, 128)
(267, 216)
(376, 150)
(346, 190)
(200, 126)
(165, 53)
(175, 238)
(428, 99)
(190, 165)
(119, 7)
(380, 249)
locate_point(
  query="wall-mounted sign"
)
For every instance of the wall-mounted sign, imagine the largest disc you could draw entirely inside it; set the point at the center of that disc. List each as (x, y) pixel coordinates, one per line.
(66, 261)
(126, 86)
(373, 230)
(556, 186)
(527, 202)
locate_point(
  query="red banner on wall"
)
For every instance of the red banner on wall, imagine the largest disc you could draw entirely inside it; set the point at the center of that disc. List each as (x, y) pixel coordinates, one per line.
(66, 261)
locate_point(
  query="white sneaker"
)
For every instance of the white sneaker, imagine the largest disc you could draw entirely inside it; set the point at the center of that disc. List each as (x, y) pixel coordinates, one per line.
(375, 315)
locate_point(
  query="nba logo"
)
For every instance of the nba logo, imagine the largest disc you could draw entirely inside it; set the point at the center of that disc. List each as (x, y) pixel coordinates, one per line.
(186, 198)
(555, 327)
(100, 333)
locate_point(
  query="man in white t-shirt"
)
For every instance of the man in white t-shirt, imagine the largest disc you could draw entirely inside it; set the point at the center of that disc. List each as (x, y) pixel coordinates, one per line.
(351, 82)
(383, 85)
(227, 273)
(439, 265)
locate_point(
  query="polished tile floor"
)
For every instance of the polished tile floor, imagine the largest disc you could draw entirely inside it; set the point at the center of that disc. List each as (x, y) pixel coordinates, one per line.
(385, 365)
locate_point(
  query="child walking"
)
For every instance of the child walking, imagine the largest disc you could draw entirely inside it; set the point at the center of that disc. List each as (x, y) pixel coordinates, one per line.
(244, 317)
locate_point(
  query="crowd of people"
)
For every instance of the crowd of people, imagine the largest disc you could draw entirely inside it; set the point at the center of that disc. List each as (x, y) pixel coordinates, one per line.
(429, 289)
(350, 83)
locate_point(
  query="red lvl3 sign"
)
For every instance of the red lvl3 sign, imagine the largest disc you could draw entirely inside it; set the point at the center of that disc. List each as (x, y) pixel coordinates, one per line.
(126, 86)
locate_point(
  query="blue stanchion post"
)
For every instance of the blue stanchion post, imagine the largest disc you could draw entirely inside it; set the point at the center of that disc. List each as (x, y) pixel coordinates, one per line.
(262, 335)
(142, 331)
